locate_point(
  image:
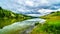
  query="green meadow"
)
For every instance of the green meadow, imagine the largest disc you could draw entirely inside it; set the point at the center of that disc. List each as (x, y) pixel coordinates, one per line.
(51, 26)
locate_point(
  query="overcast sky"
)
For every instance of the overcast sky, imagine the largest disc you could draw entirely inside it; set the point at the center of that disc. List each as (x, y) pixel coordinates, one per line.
(30, 5)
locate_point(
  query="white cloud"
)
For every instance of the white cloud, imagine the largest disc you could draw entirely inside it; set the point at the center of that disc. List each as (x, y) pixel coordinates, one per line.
(54, 1)
(34, 3)
(44, 2)
(46, 11)
(58, 9)
(29, 3)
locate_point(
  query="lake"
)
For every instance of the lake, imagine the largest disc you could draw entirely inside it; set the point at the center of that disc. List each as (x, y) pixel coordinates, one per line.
(20, 27)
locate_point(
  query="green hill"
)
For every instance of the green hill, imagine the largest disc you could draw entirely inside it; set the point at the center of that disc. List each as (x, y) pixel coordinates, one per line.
(5, 14)
(8, 17)
(51, 26)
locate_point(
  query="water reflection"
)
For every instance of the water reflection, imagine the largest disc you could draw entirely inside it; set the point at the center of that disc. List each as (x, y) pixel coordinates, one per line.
(5, 22)
(17, 27)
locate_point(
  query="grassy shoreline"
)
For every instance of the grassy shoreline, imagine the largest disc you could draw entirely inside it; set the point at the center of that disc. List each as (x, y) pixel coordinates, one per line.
(51, 26)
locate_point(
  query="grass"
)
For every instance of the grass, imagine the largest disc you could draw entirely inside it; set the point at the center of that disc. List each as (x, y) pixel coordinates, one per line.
(51, 26)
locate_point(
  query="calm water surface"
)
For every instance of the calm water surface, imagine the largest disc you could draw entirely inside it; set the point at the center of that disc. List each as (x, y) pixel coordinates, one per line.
(20, 27)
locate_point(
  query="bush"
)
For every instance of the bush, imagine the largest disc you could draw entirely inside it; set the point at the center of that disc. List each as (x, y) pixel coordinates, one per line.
(36, 23)
(0, 8)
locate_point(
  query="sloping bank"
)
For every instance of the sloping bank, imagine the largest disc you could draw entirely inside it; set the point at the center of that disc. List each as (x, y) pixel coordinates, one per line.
(8, 17)
(51, 26)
